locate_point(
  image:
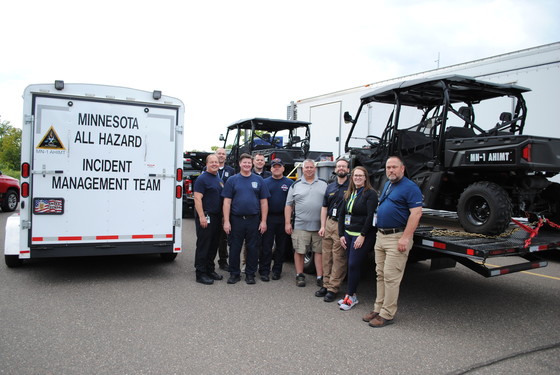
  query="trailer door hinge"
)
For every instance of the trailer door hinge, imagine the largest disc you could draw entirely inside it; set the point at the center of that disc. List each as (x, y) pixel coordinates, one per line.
(177, 222)
(179, 129)
(26, 224)
(29, 119)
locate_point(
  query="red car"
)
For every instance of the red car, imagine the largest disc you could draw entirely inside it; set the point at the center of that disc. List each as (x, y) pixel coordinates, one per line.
(9, 193)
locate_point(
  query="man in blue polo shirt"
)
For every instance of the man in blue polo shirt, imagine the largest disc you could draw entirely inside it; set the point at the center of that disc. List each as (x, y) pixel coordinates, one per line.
(245, 212)
(208, 219)
(278, 186)
(398, 214)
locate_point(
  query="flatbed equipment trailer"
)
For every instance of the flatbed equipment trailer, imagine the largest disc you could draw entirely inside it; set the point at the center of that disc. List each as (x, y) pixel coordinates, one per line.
(445, 247)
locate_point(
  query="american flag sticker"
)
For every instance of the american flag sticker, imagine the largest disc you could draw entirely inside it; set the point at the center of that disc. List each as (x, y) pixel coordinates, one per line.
(48, 206)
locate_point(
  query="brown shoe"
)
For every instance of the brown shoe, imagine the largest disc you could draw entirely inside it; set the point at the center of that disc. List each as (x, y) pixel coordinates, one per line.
(379, 322)
(369, 316)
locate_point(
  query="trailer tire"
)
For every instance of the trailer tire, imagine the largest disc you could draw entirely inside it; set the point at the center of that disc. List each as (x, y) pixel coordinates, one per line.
(13, 261)
(484, 207)
(168, 257)
(10, 201)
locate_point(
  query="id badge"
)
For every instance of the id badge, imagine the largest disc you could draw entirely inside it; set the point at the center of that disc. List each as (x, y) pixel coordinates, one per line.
(347, 219)
(208, 218)
(374, 220)
(334, 212)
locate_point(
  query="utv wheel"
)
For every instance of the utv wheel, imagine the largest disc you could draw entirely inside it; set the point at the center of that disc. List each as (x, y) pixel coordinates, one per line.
(13, 261)
(552, 195)
(484, 207)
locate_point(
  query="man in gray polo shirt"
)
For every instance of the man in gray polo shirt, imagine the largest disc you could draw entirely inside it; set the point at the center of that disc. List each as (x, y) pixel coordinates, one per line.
(305, 199)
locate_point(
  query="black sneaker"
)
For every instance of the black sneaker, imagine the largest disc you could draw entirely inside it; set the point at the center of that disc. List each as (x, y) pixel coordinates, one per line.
(276, 276)
(234, 279)
(215, 276)
(250, 279)
(321, 292)
(330, 296)
(224, 267)
(265, 278)
(300, 280)
(204, 279)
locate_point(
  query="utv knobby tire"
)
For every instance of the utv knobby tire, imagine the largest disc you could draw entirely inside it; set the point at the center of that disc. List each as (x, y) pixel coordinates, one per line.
(484, 207)
(309, 262)
(552, 195)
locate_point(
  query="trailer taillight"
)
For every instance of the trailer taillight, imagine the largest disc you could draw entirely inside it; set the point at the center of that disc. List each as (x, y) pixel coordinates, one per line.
(25, 189)
(526, 152)
(25, 168)
(178, 192)
(179, 174)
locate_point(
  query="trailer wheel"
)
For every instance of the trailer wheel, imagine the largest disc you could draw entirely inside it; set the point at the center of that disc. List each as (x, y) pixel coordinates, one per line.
(13, 261)
(168, 257)
(484, 207)
(11, 201)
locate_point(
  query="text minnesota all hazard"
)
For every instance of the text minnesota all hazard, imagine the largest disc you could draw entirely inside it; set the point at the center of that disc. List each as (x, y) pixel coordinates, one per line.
(101, 173)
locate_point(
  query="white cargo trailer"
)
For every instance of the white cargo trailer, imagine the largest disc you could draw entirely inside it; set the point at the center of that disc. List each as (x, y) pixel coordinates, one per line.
(537, 68)
(101, 173)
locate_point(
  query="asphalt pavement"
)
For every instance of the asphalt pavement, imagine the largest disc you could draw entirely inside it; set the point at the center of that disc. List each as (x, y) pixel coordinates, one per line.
(140, 315)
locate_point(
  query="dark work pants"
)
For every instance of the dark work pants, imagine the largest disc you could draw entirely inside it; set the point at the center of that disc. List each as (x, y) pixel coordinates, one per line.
(244, 228)
(206, 244)
(356, 258)
(275, 232)
(222, 247)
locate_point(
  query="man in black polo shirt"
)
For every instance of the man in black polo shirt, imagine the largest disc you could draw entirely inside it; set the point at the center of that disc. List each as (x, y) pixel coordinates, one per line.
(334, 255)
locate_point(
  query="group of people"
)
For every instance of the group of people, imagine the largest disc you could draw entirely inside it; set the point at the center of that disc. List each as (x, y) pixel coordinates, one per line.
(340, 222)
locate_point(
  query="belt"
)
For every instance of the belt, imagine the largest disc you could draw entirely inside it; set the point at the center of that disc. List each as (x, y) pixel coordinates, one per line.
(245, 217)
(333, 218)
(390, 230)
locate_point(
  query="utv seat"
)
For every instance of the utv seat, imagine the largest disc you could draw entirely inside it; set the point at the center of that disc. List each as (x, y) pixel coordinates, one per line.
(459, 132)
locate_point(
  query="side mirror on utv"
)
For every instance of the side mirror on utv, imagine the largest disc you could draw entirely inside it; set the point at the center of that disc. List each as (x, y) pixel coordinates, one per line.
(222, 137)
(347, 118)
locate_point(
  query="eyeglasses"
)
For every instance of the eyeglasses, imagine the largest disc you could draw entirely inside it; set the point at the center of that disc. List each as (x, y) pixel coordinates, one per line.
(360, 175)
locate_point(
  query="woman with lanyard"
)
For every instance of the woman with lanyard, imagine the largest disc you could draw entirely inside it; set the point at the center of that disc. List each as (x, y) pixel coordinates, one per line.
(357, 235)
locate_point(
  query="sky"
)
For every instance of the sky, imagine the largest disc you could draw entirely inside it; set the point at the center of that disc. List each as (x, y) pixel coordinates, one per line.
(230, 60)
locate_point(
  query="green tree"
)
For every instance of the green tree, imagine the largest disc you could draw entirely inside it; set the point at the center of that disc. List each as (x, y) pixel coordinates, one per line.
(10, 146)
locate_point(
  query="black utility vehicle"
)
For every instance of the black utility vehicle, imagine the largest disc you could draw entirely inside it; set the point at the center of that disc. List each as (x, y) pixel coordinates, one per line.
(463, 144)
(284, 139)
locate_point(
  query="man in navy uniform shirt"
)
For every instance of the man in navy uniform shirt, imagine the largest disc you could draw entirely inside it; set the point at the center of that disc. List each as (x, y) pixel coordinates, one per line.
(245, 212)
(208, 219)
(224, 173)
(278, 186)
(258, 168)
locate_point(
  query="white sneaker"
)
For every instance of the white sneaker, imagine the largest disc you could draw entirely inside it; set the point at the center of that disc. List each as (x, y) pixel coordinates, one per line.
(340, 301)
(349, 302)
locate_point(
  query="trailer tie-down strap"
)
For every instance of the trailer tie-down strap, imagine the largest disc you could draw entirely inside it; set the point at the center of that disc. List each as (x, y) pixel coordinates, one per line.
(534, 231)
